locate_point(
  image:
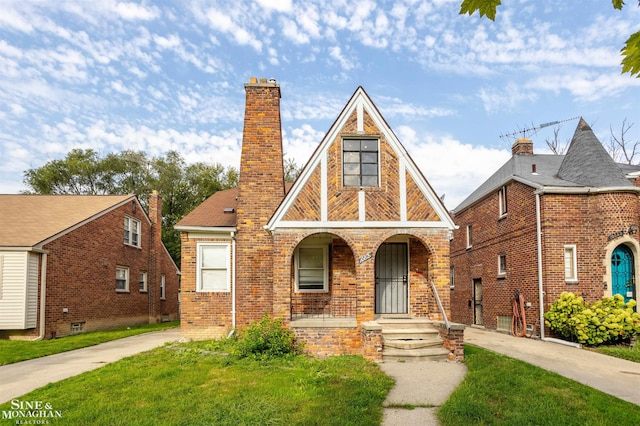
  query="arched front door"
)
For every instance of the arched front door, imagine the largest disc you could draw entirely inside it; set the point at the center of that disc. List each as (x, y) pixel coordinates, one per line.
(622, 276)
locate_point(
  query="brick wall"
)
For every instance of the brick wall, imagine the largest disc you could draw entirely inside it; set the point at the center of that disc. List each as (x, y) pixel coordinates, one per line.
(261, 189)
(586, 220)
(81, 276)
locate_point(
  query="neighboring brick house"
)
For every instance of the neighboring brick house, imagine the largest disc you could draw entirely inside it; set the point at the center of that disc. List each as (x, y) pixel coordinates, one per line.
(74, 263)
(358, 236)
(544, 224)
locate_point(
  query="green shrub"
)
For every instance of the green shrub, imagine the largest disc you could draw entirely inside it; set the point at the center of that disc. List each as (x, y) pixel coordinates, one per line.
(606, 321)
(266, 339)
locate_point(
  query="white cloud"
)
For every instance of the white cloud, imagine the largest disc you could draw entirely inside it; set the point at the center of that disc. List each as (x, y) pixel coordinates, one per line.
(279, 5)
(223, 23)
(336, 53)
(132, 11)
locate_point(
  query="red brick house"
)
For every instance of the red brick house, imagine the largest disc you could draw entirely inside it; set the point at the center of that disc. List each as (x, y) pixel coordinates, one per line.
(353, 245)
(544, 224)
(74, 263)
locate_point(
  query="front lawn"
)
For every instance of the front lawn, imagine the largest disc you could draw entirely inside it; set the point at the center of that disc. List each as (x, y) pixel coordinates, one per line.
(21, 350)
(192, 384)
(620, 351)
(499, 390)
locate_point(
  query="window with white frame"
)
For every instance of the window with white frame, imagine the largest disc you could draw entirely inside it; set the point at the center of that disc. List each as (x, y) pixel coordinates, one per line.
(360, 162)
(311, 269)
(469, 236)
(502, 200)
(163, 291)
(570, 263)
(122, 278)
(502, 264)
(213, 267)
(131, 231)
(142, 282)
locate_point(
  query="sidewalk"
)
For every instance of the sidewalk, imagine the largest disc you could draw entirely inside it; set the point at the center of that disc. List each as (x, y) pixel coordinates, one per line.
(615, 376)
(23, 377)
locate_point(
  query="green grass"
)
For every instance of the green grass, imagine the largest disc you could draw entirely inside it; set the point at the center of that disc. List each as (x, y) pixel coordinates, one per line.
(193, 384)
(620, 351)
(499, 390)
(20, 350)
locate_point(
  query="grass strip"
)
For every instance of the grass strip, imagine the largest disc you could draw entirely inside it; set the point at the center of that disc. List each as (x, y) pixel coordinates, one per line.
(21, 350)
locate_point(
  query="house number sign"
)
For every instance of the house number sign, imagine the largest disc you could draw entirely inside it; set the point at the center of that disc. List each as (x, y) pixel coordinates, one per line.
(633, 229)
(365, 258)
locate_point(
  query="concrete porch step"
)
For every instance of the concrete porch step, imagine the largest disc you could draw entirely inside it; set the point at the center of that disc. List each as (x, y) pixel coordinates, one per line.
(405, 322)
(408, 344)
(410, 333)
(416, 355)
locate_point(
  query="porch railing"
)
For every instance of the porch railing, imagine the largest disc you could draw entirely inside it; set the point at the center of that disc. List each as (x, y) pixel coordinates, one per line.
(442, 311)
(309, 306)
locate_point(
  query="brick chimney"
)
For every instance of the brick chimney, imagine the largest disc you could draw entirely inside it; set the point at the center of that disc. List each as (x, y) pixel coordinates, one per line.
(155, 247)
(522, 146)
(260, 191)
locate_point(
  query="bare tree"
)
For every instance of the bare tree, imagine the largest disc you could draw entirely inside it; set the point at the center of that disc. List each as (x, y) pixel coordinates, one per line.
(555, 145)
(622, 149)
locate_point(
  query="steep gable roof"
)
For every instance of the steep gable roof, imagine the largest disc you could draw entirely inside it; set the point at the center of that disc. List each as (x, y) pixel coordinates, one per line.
(586, 165)
(359, 102)
(31, 220)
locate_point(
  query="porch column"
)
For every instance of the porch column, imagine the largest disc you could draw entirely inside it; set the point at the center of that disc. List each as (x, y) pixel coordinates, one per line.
(282, 278)
(365, 284)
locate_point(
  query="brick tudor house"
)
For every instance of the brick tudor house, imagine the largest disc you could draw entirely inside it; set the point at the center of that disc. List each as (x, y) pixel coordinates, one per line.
(74, 263)
(544, 224)
(351, 251)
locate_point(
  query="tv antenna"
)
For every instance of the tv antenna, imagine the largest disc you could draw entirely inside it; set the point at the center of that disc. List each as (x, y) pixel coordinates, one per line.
(526, 132)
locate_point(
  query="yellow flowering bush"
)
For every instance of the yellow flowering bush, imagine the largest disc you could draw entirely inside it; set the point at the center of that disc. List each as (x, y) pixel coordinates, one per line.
(606, 321)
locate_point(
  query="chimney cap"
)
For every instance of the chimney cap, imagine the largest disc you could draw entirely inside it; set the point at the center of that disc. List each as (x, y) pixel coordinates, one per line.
(262, 82)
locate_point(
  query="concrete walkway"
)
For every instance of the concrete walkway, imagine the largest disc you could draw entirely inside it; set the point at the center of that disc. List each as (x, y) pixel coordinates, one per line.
(23, 377)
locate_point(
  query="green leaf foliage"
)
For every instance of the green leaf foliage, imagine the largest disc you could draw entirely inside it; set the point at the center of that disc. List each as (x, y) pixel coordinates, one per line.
(606, 321)
(631, 53)
(267, 339)
(483, 7)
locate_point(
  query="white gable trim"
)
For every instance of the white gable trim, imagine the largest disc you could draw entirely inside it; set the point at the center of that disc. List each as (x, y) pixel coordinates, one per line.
(360, 102)
(358, 224)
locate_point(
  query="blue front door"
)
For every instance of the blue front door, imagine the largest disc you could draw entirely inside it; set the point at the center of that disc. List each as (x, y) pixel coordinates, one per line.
(622, 277)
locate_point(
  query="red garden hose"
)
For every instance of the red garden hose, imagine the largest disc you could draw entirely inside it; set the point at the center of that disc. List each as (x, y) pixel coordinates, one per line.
(519, 321)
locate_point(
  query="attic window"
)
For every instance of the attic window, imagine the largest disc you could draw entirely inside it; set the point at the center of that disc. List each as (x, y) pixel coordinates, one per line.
(229, 210)
(360, 162)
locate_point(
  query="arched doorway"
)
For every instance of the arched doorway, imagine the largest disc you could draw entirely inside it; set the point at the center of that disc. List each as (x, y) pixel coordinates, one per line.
(622, 274)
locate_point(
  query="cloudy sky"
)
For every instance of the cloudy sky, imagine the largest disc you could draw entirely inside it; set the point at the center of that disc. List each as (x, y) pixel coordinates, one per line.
(169, 75)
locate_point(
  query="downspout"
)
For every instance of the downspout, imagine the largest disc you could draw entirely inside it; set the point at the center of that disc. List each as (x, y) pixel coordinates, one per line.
(233, 280)
(43, 295)
(540, 286)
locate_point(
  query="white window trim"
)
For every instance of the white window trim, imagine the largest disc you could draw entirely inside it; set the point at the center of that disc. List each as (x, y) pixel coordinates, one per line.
(128, 228)
(502, 202)
(199, 247)
(501, 272)
(126, 279)
(574, 261)
(469, 236)
(163, 288)
(145, 288)
(325, 265)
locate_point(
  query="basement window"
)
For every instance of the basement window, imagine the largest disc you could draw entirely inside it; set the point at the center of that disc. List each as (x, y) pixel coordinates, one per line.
(77, 327)
(504, 322)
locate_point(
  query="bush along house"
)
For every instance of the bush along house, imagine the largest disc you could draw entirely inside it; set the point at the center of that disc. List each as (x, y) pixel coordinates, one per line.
(542, 225)
(76, 263)
(354, 256)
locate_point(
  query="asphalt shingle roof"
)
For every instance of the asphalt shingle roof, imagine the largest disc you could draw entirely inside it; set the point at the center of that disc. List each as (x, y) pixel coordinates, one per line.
(586, 164)
(27, 220)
